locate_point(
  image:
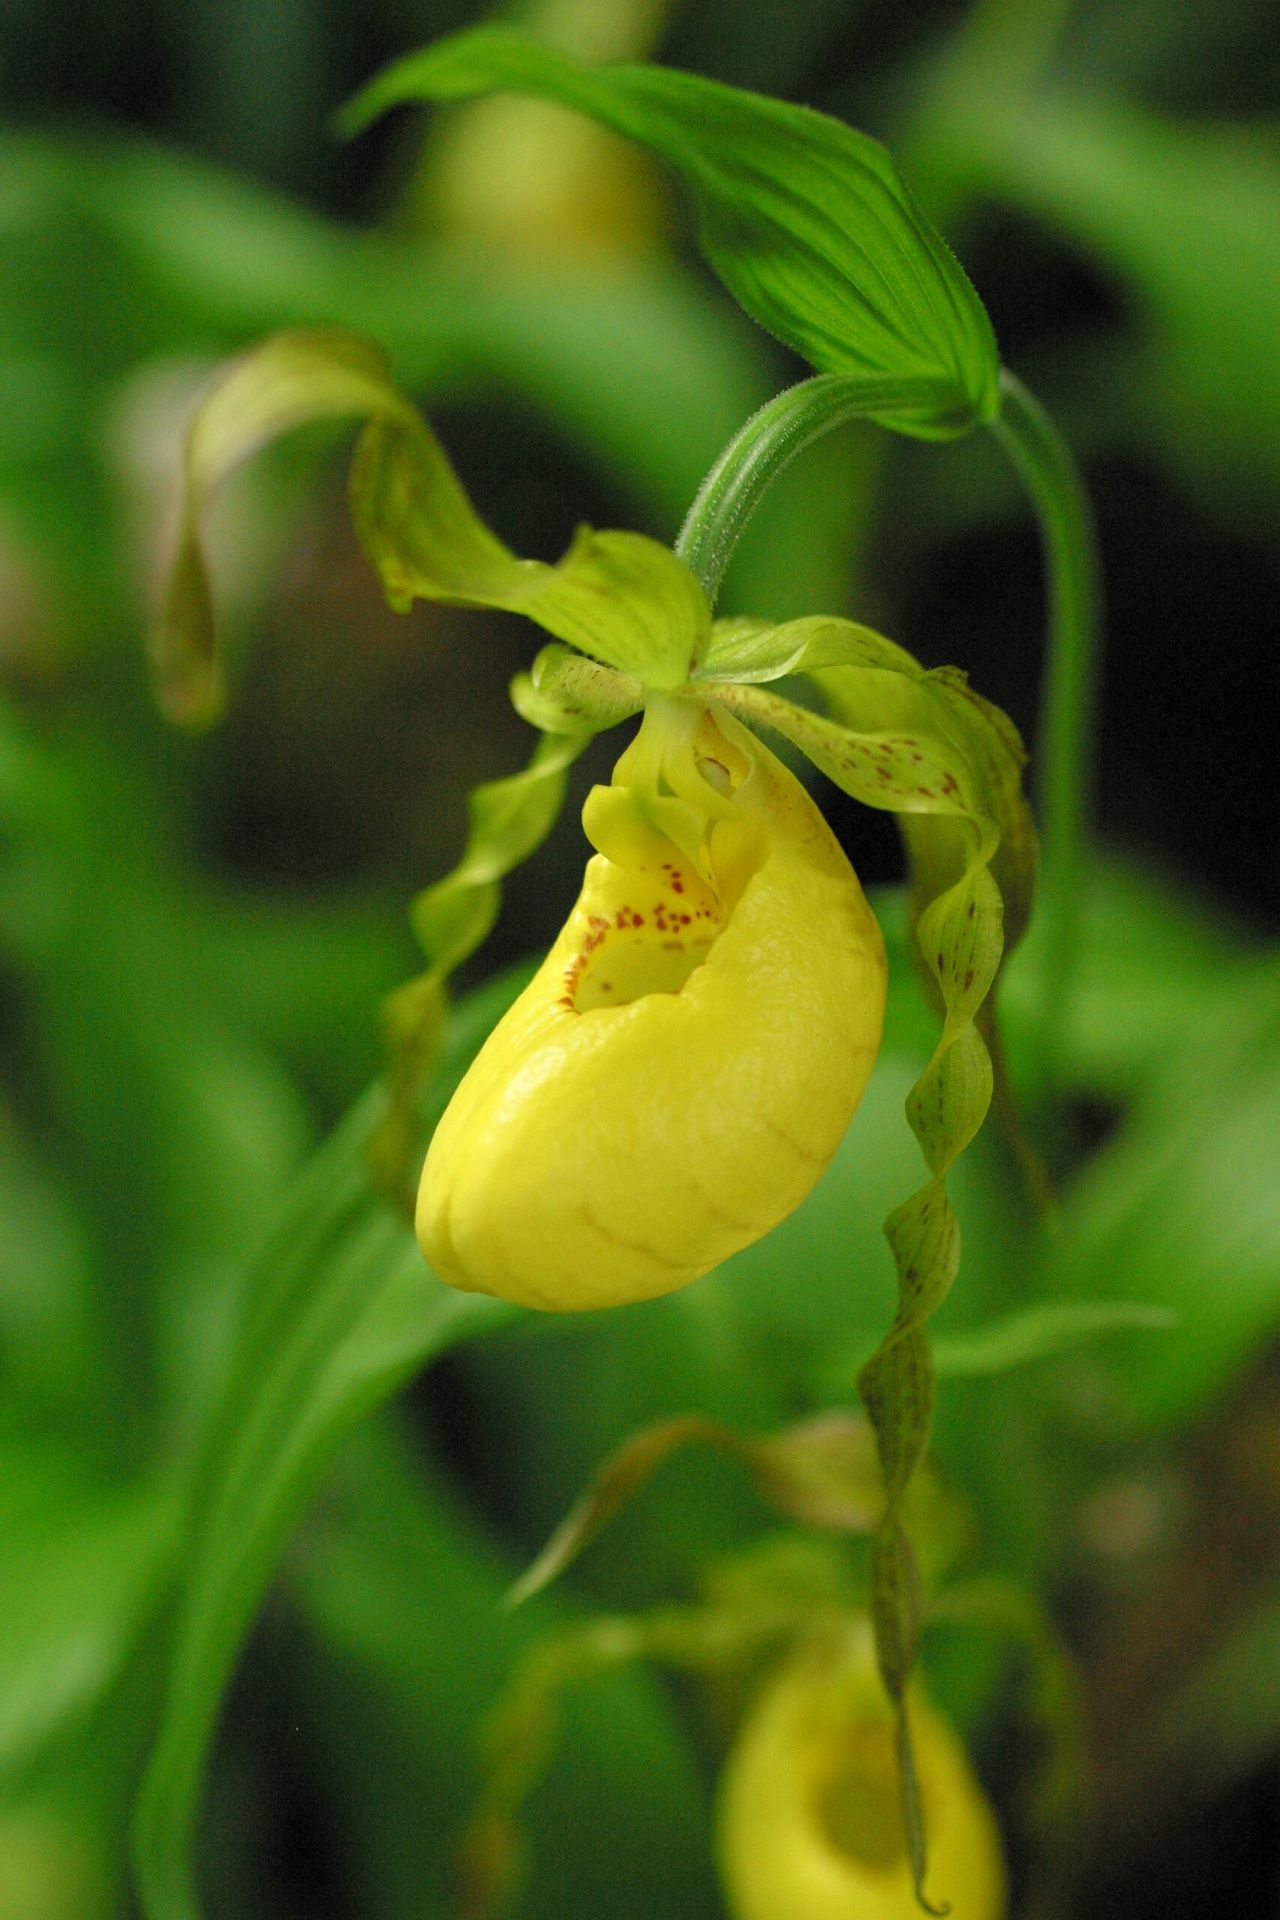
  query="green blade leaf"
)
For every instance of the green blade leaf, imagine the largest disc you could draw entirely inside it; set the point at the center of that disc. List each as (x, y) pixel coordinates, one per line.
(1156, 200)
(805, 220)
(620, 597)
(342, 1311)
(1043, 1332)
(81, 1566)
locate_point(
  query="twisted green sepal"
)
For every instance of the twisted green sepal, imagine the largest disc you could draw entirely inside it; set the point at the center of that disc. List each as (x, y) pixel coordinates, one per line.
(508, 819)
(293, 378)
(923, 746)
(620, 598)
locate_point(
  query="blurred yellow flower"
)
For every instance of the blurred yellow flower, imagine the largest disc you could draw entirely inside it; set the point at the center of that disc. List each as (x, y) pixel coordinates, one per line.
(682, 1067)
(810, 1824)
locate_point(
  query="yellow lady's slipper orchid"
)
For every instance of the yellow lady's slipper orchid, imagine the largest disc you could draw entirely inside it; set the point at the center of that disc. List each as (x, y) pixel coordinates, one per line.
(683, 1065)
(810, 1824)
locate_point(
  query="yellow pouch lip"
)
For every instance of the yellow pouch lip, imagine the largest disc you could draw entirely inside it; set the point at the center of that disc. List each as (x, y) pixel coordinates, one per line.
(819, 1719)
(559, 1176)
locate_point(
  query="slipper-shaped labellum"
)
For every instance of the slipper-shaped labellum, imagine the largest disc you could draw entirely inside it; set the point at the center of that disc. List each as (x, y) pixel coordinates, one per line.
(809, 1820)
(683, 1065)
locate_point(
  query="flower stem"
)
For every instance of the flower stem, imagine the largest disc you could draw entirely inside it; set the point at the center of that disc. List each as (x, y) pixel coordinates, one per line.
(766, 446)
(1045, 465)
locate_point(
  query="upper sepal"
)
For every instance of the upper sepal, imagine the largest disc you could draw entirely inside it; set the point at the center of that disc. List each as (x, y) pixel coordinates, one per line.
(621, 598)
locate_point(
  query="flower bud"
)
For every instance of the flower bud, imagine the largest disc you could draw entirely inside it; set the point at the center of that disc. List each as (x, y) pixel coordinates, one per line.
(810, 1825)
(683, 1065)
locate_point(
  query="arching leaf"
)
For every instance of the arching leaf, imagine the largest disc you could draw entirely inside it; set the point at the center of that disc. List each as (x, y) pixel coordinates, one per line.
(341, 1311)
(805, 220)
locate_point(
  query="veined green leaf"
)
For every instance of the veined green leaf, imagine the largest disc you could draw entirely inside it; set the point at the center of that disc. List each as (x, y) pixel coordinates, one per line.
(805, 220)
(341, 1310)
(620, 597)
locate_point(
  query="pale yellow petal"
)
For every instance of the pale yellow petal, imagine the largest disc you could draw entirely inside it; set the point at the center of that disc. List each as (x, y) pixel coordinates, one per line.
(809, 1826)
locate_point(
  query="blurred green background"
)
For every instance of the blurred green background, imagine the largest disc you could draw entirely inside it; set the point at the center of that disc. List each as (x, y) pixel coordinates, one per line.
(196, 935)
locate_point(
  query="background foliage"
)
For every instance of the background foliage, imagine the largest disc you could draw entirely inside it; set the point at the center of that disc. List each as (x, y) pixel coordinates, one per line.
(195, 937)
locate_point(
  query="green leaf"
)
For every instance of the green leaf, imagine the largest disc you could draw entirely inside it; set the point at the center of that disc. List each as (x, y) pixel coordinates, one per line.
(401, 1595)
(1042, 1332)
(805, 220)
(620, 597)
(81, 1566)
(1186, 214)
(1221, 1724)
(341, 1311)
(1182, 1206)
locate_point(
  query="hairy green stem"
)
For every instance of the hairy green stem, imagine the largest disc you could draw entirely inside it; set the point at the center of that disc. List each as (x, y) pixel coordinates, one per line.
(1046, 467)
(766, 446)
